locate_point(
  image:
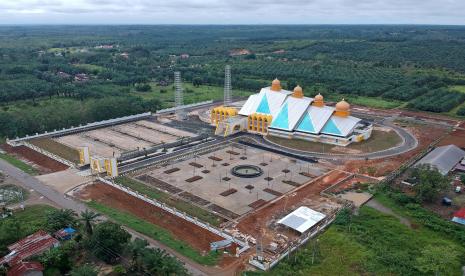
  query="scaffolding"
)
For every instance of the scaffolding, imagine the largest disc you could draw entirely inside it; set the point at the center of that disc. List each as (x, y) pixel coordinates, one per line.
(227, 86)
(178, 97)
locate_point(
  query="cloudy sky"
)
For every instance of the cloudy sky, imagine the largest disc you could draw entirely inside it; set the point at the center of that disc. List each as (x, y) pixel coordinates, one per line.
(232, 11)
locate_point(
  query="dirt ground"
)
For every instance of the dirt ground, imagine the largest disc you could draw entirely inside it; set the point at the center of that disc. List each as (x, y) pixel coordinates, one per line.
(425, 134)
(194, 235)
(351, 183)
(254, 223)
(456, 137)
(43, 163)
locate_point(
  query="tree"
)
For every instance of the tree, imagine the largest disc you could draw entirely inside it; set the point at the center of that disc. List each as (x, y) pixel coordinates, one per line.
(438, 259)
(136, 249)
(462, 178)
(89, 217)
(197, 82)
(430, 182)
(158, 262)
(58, 257)
(153, 261)
(58, 219)
(84, 270)
(108, 241)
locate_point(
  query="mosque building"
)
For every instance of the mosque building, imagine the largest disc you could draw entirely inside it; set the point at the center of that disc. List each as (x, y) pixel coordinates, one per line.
(289, 114)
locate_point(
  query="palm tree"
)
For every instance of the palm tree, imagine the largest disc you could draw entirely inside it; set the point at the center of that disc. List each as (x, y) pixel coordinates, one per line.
(58, 219)
(89, 217)
(136, 248)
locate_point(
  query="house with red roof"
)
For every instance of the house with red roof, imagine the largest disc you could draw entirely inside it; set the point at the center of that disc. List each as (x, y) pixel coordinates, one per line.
(31, 245)
(459, 216)
(26, 269)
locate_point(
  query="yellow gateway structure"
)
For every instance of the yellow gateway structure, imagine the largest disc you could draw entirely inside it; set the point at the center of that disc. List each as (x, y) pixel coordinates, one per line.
(289, 114)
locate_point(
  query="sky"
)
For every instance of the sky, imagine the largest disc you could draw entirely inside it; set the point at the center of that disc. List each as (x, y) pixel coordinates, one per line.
(442, 12)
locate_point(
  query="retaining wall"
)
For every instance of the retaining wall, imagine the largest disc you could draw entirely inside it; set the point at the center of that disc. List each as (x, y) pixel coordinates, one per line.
(244, 246)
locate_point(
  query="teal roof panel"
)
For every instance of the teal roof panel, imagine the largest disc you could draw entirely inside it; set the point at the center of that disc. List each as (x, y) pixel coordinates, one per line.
(306, 124)
(263, 107)
(331, 128)
(282, 120)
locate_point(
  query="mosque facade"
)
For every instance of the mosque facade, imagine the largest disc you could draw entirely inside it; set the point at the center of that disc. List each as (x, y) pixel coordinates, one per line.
(289, 114)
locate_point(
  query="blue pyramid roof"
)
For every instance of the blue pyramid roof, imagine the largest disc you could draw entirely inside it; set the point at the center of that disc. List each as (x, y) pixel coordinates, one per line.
(306, 124)
(282, 120)
(331, 128)
(263, 107)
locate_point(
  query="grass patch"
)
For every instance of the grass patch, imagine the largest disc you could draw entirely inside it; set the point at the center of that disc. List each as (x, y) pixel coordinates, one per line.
(155, 232)
(19, 164)
(373, 102)
(458, 88)
(164, 197)
(59, 149)
(90, 68)
(191, 94)
(21, 224)
(337, 254)
(379, 140)
(371, 243)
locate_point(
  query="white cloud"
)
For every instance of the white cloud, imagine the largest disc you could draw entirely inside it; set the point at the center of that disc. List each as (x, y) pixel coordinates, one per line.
(232, 11)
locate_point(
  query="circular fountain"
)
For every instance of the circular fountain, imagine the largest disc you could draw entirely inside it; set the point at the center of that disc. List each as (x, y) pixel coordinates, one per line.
(246, 171)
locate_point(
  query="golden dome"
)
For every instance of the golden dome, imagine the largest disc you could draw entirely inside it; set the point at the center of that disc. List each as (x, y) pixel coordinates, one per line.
(318, 101)
(342, 108)
(276, 85)
(298, 92)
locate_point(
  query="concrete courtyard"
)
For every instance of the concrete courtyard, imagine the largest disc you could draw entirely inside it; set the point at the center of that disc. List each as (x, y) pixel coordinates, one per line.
(207, 178)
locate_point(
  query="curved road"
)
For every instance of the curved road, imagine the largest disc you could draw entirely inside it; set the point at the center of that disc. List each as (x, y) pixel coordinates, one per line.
(409, 142)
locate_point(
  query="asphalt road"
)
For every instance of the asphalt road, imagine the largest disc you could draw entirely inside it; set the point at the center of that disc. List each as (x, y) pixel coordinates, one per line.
(33, 183)
(409, 142)
(60, 200)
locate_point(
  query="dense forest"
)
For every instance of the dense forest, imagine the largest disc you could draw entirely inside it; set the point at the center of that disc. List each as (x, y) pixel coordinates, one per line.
(58, 76)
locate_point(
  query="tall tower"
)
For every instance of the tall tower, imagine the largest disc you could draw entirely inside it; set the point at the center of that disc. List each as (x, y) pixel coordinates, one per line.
(227, 86)
(178, 97)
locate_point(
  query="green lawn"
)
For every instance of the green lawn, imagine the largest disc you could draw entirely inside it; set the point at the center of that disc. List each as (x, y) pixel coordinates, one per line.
(58, 149)
(374, 243)
(163, 197)
(155, 232)
(91, 68)
(19, 164)
(372, 102)
(191, 94)
(379, 140)
(21, 224)
(458, 88)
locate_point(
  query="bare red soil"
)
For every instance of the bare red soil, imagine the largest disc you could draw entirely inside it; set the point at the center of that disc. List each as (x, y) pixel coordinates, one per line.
(456, 137)
(425, 134)
(45, 163)
(258, 220)
(194, 235)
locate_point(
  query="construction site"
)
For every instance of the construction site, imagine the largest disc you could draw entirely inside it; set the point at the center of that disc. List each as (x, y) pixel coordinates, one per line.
(215, 180)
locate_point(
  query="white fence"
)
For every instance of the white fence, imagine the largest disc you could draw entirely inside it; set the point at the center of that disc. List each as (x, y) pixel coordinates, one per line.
(49, 154)
(64, 131)
(172, 109)
(243, 245)
(299, 243)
